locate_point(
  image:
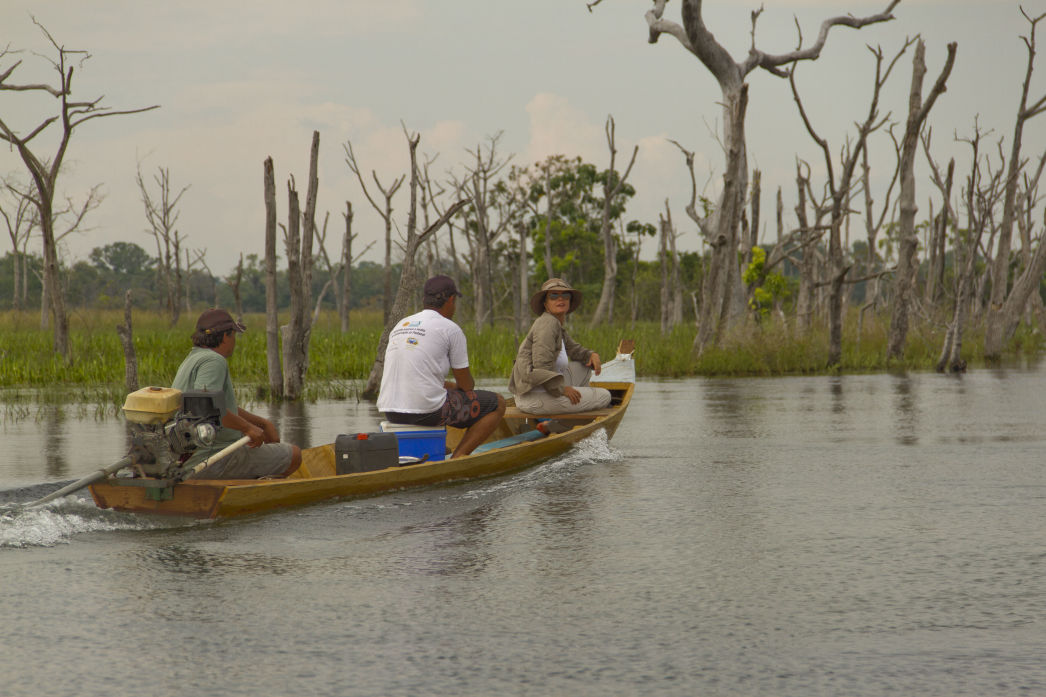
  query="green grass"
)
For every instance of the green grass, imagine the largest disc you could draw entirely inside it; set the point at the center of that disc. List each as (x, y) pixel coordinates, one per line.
(340, 363)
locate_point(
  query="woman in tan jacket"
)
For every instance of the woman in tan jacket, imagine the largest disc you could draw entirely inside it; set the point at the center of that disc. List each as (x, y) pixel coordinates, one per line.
(551, 371)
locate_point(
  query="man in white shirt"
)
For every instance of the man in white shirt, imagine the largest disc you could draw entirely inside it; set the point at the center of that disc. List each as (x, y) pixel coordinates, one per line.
(422, 349)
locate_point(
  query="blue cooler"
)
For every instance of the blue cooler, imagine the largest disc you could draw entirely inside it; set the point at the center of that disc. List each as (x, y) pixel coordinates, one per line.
(419, 441)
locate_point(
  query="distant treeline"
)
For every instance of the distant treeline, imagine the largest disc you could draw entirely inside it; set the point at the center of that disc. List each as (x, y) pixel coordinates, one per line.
(100, 282)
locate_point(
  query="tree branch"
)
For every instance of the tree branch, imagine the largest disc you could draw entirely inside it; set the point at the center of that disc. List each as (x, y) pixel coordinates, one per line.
(773, 63)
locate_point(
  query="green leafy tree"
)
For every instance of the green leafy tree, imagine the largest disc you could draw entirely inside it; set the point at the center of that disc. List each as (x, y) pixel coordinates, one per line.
(575, 188)
(767, 289)
(122, 259)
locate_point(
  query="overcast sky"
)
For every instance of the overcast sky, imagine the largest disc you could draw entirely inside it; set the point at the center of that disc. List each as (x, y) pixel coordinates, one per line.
(241, 81)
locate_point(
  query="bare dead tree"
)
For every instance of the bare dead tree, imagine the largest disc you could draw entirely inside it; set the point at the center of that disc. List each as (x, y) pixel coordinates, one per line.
(385, 211)
(292, 331)
(840, 192)
(754, 204)
(408, 285)
(346, 264)
(514, 200)
(725, 298)
(675, 280)
(187, 286)
(522, 276)
(873, 225)
(965, 256)
(342, 269)
(234, 281)
(272, 319)
(810, 235)
(640, 229)
(66, 220)
(997, 176)
(20, 219)
(1007, 304)
(666, 231)
(779, 246)
(435, 192)
(940, 224)
(200, 258)
(612, 188)
(535, 184)
(907, 266)
(126, 333)
(723, 277)
(430, 250)
(489, 217)
(161, 214)
(519, 194)
(981, 193)
(707, 227)
(71, 113)
(432, 192)
(298, 239)
(530, 186)
(752, 239)
(332, 271)
(1027, 199)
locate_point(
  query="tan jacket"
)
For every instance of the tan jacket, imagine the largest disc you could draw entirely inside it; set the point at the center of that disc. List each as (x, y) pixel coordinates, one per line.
(536, 358)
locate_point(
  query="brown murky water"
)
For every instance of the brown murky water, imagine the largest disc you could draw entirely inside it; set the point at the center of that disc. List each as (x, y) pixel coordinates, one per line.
(857, 535)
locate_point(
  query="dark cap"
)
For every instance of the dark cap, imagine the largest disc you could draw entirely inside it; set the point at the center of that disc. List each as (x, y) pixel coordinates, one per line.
(215, 321)
(439, 289)
(441, 285)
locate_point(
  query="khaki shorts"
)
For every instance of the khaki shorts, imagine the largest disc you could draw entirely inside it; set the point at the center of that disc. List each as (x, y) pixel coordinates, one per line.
(267, 460)
(539, 401)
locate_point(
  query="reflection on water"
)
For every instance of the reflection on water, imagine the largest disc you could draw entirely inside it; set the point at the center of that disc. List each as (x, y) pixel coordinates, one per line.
(460, 545)
(292, 422)
(906, 411)
(54, 442)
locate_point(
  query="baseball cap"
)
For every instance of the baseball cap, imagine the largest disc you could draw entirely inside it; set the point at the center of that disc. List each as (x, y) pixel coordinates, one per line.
(216, 320)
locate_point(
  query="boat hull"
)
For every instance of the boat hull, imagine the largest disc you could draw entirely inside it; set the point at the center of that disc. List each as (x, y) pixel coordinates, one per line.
(316, 480)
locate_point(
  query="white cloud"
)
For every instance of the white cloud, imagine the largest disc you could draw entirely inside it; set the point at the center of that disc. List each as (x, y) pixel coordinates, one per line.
(556, 126)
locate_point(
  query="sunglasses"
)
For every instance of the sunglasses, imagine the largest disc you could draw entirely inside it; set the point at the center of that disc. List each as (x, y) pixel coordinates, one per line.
(558, 296)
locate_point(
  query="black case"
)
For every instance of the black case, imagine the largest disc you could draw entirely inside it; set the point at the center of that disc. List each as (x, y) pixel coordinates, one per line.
(365, 452)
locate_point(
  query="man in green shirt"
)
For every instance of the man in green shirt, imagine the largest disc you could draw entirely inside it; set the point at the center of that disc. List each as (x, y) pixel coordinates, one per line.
(207, 368)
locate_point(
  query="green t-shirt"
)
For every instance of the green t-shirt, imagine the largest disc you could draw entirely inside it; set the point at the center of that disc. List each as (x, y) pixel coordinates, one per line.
(206, 369)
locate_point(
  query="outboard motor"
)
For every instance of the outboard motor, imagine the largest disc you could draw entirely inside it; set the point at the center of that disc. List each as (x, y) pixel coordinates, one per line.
(168, 425)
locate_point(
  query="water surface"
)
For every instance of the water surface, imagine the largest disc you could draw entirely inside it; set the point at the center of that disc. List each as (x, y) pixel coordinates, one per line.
(857, 535)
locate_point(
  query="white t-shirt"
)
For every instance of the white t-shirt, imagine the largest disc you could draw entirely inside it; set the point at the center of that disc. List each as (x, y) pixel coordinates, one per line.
(422, 350)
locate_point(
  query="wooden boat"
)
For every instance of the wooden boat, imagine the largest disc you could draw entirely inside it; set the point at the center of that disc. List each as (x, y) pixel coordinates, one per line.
(512, 446)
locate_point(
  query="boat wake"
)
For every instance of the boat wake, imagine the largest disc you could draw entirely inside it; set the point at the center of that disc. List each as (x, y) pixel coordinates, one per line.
(58, 521)
(592, 450)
